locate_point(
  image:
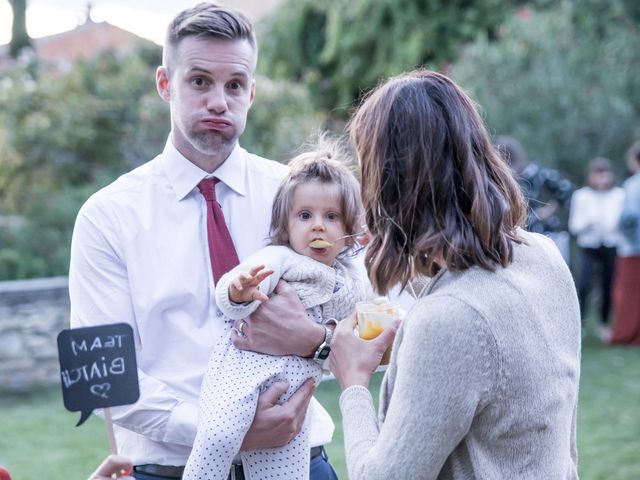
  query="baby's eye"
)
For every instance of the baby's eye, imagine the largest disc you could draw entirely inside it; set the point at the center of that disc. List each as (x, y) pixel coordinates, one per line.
(333, 216)
(304, 215)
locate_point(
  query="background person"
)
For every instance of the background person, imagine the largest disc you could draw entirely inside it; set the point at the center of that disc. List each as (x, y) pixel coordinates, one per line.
(546, 192)
(593, 219)
(626, 297)
(483, 379)
(316, 214)
(143, 252)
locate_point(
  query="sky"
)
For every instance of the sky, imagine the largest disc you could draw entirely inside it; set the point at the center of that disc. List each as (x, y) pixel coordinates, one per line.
(146, 18)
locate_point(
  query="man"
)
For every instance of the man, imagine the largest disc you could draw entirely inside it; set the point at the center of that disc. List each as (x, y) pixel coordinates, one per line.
(141, 254)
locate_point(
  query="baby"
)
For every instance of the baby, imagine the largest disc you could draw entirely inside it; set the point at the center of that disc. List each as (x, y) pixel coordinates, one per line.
(313, 228)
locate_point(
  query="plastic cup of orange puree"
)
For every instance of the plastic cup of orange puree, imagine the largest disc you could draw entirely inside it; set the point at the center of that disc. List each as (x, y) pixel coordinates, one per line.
(373, 317)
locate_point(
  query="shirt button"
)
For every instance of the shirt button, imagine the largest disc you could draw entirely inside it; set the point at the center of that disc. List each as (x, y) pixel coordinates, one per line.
(218, 312)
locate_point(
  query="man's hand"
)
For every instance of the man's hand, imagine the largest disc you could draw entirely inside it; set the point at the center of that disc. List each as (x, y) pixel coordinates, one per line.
(276, 425)
(114, 466)
(244, 288)
(280, 326)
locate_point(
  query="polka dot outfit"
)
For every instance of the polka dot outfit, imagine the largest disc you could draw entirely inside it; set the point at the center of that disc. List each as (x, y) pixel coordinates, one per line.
(235, 378)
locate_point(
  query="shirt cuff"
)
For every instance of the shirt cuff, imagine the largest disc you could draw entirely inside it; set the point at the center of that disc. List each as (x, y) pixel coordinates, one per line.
(356, 394)
(182, 425)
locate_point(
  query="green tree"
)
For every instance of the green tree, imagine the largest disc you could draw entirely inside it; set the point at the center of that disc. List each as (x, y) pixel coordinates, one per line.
(567, 89)
(341, 48)
(281, 119)
(39, 246)
(60, 130)
(19, 36)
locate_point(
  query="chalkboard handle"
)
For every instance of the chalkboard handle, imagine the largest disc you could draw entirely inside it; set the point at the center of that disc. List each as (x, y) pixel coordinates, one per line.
(112, 438)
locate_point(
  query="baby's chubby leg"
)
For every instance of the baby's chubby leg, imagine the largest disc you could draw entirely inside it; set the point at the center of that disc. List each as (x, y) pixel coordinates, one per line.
(228, 399)
(292, 460)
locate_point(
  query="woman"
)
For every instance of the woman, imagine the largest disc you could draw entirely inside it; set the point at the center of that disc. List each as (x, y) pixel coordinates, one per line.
(626, 301)
(593, 219)
(483, 380)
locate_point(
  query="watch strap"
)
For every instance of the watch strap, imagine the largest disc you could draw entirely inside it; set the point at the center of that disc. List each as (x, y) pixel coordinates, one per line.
(323, 350)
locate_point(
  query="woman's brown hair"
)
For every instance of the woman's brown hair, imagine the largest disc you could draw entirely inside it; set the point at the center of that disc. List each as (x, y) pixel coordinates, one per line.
(434, 189)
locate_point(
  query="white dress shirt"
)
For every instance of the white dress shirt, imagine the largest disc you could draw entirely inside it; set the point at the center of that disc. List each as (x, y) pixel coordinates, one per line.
(594, 216)
(140, 255)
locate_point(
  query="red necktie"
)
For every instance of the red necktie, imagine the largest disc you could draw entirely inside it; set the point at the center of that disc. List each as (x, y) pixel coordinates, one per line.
(221, 250)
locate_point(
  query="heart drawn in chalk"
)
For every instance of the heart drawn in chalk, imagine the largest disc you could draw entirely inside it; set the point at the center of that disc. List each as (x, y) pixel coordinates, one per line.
(101, 389)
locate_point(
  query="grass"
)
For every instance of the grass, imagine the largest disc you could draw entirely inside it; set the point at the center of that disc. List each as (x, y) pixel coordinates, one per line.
(38, 439)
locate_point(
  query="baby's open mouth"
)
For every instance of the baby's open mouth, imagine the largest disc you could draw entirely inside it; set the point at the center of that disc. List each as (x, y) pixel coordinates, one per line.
(320, 244)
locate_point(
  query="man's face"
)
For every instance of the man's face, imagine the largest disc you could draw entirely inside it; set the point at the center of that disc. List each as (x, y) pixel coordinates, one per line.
(210, 87)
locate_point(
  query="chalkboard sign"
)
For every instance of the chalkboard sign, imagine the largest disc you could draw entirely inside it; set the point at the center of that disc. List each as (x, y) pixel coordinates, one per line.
(97, 368)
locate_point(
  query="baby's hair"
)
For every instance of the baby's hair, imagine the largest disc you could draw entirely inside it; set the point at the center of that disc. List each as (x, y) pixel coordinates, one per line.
(324, 162)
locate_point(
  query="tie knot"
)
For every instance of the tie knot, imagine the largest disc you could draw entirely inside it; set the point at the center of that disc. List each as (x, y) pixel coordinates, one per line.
(207, 187)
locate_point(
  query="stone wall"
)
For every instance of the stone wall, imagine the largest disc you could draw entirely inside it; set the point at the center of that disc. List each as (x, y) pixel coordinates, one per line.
(32, 313)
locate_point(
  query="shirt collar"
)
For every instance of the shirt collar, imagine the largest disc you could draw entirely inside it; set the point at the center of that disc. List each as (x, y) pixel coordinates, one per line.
(184, 176)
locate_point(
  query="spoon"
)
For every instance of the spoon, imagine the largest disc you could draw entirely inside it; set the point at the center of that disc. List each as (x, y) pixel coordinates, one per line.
(328, 244)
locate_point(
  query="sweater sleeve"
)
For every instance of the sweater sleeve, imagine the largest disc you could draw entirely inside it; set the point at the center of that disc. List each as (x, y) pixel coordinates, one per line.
(272, 257)
(444, 373)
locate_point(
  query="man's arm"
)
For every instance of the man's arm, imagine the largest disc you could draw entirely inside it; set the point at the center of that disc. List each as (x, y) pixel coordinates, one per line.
(100, 293)
(281, 326)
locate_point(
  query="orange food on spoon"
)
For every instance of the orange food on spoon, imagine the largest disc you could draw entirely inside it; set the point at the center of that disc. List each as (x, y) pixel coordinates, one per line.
(320, 244)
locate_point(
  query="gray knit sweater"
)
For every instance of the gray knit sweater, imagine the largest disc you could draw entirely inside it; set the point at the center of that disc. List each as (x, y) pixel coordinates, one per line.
(483, 380)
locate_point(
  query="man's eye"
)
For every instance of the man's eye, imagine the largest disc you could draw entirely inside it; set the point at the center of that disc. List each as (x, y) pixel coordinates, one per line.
(198, 82)
(235, 85)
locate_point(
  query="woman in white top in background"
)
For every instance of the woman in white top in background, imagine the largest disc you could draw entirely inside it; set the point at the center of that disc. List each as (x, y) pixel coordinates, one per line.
(593, 219)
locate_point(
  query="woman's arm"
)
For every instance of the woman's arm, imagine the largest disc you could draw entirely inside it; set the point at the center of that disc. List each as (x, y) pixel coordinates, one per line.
(443, 373)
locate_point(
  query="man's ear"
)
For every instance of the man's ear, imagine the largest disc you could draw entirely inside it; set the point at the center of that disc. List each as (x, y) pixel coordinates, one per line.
(162, 83)
(252, 93)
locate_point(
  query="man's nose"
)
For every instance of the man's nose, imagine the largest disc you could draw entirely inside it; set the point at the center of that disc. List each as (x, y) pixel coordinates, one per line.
(217, 100)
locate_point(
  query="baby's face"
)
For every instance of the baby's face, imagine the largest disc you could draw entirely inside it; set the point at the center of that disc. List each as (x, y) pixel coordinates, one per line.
(315, 222)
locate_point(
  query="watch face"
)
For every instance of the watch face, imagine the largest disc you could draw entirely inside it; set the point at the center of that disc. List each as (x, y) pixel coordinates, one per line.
(324, 352)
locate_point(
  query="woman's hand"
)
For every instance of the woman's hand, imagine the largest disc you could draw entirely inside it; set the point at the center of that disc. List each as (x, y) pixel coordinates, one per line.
(353, 360)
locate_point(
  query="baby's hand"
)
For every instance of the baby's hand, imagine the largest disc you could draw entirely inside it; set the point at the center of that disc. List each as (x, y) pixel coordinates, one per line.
(244, 289)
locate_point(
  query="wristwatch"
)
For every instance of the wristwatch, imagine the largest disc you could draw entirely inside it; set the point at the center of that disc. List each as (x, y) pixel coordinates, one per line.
(323, 351)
